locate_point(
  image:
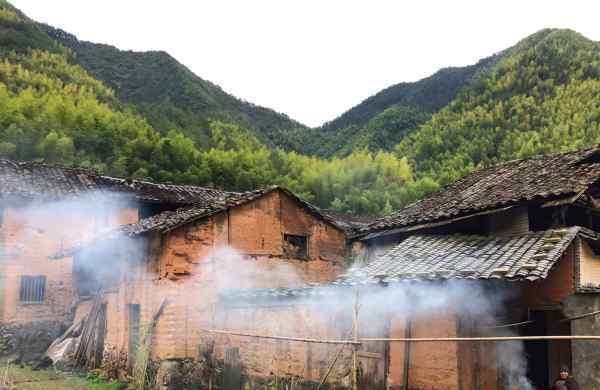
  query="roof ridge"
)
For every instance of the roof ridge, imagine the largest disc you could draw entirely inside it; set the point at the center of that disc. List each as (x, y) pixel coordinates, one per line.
(550, 176)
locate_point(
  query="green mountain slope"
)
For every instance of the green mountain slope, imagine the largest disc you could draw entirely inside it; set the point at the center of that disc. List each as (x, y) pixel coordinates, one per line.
(384, 119)
(543, 97)
(168, 94)
(53, 109)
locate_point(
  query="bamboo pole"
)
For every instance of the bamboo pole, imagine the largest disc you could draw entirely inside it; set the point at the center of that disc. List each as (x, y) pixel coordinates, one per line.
(355, 339)
(408, 334)
(405, 339)
(300, 339)
(508, 325)
(594, 313)
(331, 364)
(499, 338)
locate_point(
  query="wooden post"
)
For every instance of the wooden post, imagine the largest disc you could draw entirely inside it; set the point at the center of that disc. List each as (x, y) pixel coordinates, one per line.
(355, 339)
(407, 334)
(233, 370)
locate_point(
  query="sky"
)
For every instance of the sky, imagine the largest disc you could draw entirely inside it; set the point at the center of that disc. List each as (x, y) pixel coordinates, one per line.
(313, 60)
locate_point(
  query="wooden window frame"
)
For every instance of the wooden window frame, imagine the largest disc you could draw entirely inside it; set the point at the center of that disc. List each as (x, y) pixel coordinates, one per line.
(32, 289)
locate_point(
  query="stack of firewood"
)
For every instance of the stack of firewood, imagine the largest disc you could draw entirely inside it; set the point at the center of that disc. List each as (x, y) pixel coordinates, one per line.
(91, 344)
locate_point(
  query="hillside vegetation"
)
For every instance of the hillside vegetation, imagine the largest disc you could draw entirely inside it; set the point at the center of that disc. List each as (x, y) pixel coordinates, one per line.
(168, 94)
(385, 118)
(145, 115)
(544, 97)
(52, 108)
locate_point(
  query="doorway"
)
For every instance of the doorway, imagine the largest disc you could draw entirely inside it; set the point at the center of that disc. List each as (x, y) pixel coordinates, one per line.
(544, 358)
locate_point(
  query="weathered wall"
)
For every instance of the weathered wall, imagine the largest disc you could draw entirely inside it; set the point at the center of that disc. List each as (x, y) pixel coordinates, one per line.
(510, 222)
(558, 286)
(192, 264)
(431, 366)
(585, 355)
(283, 358)
(589, 271)
(28, 235)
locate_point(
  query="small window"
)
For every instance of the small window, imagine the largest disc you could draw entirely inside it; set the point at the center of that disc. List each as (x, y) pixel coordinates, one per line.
(33, 289)
(295, 246)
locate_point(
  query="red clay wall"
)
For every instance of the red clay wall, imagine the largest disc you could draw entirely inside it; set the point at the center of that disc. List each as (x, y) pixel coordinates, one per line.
(432, 366)
(196, 261)
(28, 235)
(557, 287)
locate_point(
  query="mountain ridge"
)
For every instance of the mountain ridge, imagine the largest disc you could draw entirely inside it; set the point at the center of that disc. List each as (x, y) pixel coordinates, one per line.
(168, 93)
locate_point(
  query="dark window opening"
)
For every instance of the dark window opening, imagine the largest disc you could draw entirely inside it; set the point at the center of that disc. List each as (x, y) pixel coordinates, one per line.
(86, 281)
(1, 215)
(33, 289)
(295, 246)
(147, 210)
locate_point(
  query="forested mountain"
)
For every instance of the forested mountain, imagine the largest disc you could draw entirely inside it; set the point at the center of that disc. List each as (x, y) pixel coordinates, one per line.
(168, 94)
(544, 97)
(383, 119)
(52, 108)
(145, 115)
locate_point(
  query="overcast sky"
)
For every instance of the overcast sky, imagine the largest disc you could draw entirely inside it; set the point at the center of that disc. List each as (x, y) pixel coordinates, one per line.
(313, 59)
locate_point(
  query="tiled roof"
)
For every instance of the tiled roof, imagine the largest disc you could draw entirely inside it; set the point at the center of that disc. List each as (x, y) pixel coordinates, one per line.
(267, 294)
(33, 179)
(537, 178)
(47, 181)
(351, 222)
(41, 180)
(169, 220)
(429, 257)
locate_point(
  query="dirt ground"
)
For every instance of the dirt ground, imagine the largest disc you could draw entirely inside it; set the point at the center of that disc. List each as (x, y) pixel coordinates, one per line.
(24, 378)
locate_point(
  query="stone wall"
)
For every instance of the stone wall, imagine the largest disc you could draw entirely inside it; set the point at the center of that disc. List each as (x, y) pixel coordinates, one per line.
(27, 342)
(585, 355)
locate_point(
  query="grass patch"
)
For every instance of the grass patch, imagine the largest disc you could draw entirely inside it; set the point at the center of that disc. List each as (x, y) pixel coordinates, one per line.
(24, 378)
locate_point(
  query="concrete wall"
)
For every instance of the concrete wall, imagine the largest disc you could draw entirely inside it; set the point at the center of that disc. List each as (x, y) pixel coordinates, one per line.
(31, 233)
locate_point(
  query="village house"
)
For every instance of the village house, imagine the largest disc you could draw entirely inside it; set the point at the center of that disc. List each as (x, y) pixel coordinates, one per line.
(46, 208)
(183, 259)
(519, 239)
(194, 277)
(526, 228)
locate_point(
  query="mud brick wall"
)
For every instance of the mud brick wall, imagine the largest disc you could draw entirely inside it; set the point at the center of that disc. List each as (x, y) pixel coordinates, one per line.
(431, 366)
(262, 357)
(192, 264)
(28, 236)
(558, 286)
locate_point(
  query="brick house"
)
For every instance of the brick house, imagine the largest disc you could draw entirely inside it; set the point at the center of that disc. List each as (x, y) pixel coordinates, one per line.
(46, 208)
(260, 239)
(523, 233)
(526, 229)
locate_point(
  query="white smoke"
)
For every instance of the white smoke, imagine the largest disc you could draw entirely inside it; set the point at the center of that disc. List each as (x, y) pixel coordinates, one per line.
(378, 303)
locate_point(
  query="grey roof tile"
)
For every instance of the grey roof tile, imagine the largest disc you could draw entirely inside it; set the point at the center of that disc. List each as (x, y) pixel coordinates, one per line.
(474, 257)
(536, 178)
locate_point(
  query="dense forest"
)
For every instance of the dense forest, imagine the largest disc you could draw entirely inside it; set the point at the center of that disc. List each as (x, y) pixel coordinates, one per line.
(145, 115)
(52, 109)
(168, 94)
(543, 98)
